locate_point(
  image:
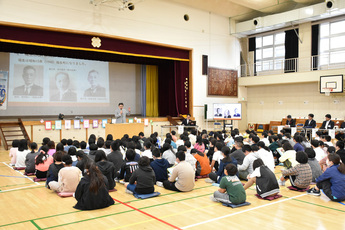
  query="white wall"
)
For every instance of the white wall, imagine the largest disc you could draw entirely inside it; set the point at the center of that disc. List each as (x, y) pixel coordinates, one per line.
(152, 20)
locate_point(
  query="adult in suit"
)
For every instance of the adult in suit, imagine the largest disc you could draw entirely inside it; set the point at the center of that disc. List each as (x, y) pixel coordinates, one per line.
(187, 121)
(328, 123)
(310, 123)
(218, 112)
(236, 114)
(29, 88)
(121, 113)
(290, 122)
(95, 90)
(227, 114)
(62, 84)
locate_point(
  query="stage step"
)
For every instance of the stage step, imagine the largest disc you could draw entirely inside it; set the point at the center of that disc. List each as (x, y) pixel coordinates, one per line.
(6, 134)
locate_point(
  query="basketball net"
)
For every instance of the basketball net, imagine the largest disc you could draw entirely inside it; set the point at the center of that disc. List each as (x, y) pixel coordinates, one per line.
(327, 91)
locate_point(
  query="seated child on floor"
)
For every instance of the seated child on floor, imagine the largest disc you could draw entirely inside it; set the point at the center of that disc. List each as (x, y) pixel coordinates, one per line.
(42, 162)
(313, 163)
(202, 163)
(159, 165)
(226, 159)
(54, 168)
(13, 151)
(106, 167)
(143, 179)
(69, 177)
(332, 181)
(21, 153)
(30, 158)
(230, 188)
(129, 166)
(92, 190)
(300, 176)
(264, 178)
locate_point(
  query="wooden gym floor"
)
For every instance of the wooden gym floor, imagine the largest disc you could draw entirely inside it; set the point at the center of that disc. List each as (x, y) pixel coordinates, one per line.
(29, 205)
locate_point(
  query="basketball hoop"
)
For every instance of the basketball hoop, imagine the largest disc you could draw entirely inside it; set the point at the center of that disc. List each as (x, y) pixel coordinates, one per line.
(328, 91)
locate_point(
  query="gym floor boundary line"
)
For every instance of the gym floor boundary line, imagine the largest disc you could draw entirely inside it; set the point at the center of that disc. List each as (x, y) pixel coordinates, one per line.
(67, 213)
(319, 205)
(12, 185)
(175, 214)
(20, 173)
(113, 214)
(149, 215)
(236, 213)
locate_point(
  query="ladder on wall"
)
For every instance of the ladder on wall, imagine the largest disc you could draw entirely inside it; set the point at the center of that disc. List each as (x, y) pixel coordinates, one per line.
(12, 130)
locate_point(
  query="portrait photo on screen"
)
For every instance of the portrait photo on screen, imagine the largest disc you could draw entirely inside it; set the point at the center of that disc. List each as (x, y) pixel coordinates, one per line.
(62, 86)
(96, 89)
(28, 80)
(227, 111)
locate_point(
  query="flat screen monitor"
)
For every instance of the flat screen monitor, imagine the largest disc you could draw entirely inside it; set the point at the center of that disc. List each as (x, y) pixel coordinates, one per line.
(227, 111)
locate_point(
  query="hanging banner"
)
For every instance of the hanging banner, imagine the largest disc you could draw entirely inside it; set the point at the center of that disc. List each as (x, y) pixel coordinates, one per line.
(68, 124)
(48, 125)
(86, 124)
(3, 89)
(76, 124)
(58, 125)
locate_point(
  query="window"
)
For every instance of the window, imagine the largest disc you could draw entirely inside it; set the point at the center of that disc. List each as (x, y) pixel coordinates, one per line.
(270, 52)
(332, 45)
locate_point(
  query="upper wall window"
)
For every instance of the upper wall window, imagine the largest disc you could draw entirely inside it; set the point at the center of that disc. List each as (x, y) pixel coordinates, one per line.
(332, 45)
(270, 51)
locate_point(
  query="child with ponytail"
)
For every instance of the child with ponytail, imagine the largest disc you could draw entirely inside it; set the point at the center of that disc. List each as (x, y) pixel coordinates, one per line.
(42, 162)
(92, 190)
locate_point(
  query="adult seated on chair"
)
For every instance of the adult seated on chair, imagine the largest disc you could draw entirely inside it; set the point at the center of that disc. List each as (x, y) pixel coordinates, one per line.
(290, 122)
(187, 121)
(185, 173)
(310, 123)
(328, 123)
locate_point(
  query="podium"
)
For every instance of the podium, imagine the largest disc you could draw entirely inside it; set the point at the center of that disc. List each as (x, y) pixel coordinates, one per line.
(118, 130)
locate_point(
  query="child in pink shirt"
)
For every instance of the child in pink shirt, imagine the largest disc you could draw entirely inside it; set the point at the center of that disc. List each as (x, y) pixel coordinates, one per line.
(13, 151)
(42, 162)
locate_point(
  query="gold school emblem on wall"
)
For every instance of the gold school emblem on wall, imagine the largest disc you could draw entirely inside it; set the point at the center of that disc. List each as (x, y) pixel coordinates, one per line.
(96, 42)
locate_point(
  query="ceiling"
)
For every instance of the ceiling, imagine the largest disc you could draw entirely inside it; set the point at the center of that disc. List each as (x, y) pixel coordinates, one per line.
(243, 10)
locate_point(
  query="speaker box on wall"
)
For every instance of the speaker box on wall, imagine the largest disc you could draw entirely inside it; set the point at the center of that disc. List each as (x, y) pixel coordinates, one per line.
(204, 64)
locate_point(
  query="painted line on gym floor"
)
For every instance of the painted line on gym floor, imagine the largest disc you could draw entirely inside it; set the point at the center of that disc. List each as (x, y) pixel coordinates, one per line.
(94, 218)
(20, 173)
(170, 215)
(236, 213)
(342, 203)
(36, 225)
(22, 188)
(62, 214)
(132, 210)
(307, 202)
(12, 176)
(149, 215)
(12, 185)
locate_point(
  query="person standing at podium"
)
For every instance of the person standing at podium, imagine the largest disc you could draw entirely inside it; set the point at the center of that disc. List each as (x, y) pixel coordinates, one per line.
(121, 113)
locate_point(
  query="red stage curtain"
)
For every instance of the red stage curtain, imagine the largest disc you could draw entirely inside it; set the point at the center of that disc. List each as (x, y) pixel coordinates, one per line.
(173, 88)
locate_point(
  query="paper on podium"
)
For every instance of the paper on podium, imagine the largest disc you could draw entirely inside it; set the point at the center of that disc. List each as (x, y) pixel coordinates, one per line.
(293, 131)
(331, 132)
